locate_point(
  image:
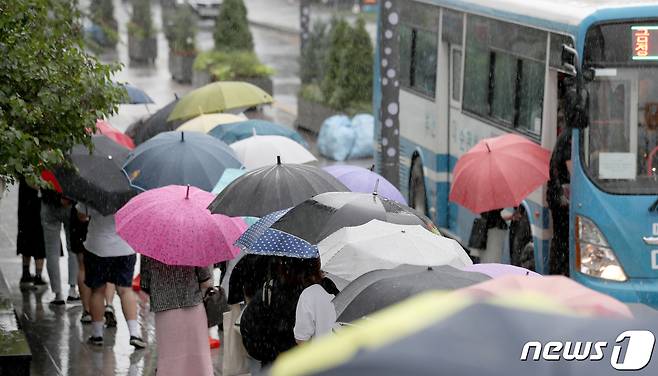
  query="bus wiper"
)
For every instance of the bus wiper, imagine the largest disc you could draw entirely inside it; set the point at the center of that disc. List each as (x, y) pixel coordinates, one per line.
(654, 207)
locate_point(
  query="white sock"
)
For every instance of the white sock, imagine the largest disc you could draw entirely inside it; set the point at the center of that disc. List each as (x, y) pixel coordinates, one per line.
(97, 329)
(73, 292)
(133, 328)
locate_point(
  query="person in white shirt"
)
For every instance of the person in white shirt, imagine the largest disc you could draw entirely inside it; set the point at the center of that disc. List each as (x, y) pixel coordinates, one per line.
(315, 315)
(109, 259)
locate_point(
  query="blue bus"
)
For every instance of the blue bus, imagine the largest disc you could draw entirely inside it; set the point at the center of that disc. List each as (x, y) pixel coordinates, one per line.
(474, 69)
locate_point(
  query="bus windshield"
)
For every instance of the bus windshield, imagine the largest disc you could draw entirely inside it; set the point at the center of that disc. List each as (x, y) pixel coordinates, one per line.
(620, 146)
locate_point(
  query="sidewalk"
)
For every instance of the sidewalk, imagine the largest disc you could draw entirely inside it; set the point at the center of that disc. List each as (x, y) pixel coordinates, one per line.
(57, 338)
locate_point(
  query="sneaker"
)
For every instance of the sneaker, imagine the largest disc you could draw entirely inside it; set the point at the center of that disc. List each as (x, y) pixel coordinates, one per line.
(86, 318)
(73, 299)
(26, 281)
(137, 342)
(110, 318)
(57, 302)
(96, 341)
(37, 281)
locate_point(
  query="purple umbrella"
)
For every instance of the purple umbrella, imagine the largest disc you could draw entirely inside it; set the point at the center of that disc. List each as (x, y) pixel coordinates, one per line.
(498, 270)
(359, 179)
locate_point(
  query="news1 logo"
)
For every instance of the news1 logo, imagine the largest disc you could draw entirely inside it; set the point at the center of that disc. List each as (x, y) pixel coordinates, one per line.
(632, 350)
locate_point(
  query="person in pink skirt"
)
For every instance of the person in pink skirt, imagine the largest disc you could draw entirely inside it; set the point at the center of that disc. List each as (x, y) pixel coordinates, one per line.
(181, 327)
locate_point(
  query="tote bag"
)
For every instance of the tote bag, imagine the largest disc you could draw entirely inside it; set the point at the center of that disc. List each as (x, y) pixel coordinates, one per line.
(235, 356)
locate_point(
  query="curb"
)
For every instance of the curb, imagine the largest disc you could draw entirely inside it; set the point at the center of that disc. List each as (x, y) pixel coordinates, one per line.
(279, 28)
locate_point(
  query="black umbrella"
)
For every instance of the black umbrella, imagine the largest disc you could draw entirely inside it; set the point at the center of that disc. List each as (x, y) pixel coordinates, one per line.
(326, 213)
(268, 189)
(381, 288)
(143, 130)
(97, 179)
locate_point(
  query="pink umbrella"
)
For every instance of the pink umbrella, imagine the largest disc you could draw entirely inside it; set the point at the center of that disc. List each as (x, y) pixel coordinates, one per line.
(173, 225)
(494, 270)
(498, 173)
(566, 291)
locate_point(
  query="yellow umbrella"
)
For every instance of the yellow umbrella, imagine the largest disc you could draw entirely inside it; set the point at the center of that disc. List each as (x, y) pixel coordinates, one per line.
(207, 122)
(218, 97)
(394, 323)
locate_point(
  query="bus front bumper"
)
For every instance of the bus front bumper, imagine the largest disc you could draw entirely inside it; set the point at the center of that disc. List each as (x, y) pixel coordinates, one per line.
(634, 290)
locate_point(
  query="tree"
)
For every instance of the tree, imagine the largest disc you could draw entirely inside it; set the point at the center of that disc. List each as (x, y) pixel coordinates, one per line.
(183, 30)
(354, 83)
(102, 15)
(314, 55)
(141, 21)
(232, 28)
(51, 90)
(339, 38)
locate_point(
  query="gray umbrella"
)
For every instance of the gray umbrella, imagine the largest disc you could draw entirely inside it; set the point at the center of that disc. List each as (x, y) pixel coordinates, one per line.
(179, 158)
(381, 288)
(272, 188)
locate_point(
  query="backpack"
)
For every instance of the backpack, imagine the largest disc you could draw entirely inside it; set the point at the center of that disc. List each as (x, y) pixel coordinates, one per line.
(268, 321)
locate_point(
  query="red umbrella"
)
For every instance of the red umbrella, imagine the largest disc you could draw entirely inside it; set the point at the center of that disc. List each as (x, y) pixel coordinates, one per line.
(49, 177)
(498, 173)
(104, 128)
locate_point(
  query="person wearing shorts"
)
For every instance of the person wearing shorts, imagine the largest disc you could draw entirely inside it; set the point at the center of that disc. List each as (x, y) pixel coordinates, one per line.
(109, 259)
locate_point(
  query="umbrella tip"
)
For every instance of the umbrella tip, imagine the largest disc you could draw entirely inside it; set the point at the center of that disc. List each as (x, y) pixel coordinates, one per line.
(182, 137)
(278, 159)
(176, 96)
(374, 192)
(253, 131)
(429, 268)
(187, 194)
(527, 272)
(487, 145)
(372, 167)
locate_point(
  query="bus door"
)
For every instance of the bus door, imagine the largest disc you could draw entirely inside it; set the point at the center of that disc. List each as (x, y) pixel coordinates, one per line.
(452, 35)
(454, 89)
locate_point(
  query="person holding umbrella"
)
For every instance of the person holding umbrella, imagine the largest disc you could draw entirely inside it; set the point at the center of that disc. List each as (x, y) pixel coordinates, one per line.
(55, 212)
(109, 259)
(179, 241)
(497, 173)
(29, 238)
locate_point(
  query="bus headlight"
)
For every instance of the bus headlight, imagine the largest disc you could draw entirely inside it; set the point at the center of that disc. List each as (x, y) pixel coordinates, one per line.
(594, 256)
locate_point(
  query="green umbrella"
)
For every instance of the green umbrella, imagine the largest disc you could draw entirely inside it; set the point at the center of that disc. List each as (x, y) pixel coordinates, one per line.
(218, 97)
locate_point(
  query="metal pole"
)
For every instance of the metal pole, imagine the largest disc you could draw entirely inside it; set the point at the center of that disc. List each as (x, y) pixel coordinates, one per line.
(389, 107)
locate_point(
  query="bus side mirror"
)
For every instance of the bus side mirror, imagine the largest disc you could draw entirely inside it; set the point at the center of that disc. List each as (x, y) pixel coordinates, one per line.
(576, 104)
(569, 60)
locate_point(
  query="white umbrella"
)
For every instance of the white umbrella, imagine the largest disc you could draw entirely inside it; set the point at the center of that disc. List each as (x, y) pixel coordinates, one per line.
(260, 151)
(353, 251)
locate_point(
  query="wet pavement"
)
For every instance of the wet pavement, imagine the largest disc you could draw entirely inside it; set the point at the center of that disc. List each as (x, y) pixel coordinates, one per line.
(55, 334)
(56, 337)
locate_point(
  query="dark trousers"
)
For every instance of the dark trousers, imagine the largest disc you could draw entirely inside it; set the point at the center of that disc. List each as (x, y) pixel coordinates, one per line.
(559, 252)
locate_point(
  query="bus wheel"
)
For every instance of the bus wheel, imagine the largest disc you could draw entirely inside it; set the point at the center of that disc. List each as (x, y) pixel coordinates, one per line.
(417, 197)
(521, 243)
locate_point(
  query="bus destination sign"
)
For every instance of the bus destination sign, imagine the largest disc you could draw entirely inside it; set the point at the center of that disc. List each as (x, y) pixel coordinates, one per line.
(645, 42)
